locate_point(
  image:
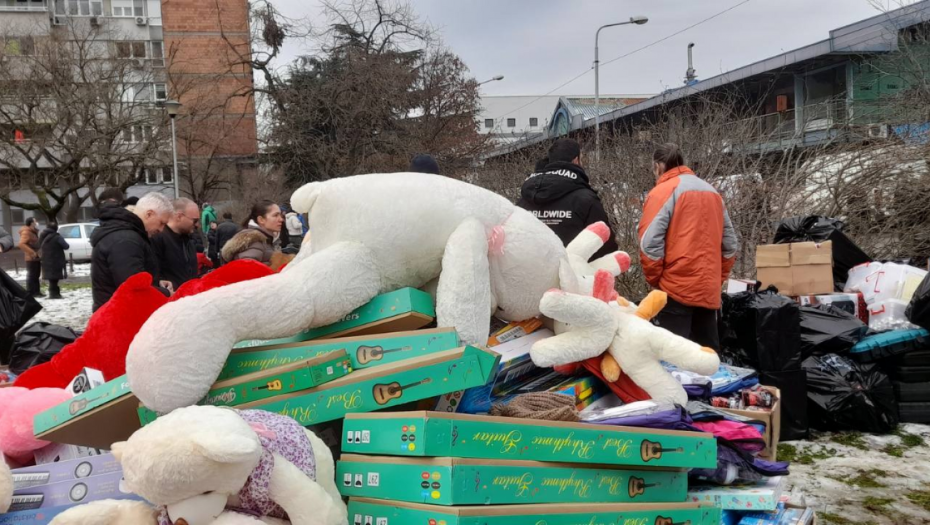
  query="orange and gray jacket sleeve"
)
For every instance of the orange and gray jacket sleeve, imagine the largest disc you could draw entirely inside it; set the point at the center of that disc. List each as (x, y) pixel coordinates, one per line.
(730, 245)
(653, 227)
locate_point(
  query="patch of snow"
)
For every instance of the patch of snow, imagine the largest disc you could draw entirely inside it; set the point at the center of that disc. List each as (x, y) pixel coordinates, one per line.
(829, 485)
(80, 270)
(73, 310)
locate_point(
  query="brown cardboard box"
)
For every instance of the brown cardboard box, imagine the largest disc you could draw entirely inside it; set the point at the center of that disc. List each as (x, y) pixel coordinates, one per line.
(772, 420)
(802, 268)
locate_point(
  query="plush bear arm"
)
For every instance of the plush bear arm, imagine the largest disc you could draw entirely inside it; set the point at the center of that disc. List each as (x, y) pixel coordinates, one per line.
(652, 305)
(325, 466)
(463, 297)
(304, 500)
(108, 512)
(681, 352)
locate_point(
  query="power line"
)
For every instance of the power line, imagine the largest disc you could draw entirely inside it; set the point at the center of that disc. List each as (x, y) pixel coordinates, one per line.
(585, 72)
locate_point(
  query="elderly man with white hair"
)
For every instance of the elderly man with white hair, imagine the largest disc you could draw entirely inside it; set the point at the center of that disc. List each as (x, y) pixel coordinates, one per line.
(122, 248)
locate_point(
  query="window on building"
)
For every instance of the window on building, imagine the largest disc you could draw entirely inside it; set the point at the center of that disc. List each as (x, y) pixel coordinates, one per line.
(151, 175)
(161, 92)
(158, 54)
(131, 50)
(511, 123)
(19, 46)
(18, 215)
(488, 123)
(137, 134)
(534, 122)
(128, 8)
(70, 232)
(167, 175)
(80, 7)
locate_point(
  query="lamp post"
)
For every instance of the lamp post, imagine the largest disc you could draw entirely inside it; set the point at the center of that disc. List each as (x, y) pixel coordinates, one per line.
(173, 106)
(494, 79)
(638, 20)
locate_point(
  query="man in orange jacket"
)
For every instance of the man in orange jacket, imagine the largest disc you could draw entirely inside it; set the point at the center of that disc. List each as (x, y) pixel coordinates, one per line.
(687, 247)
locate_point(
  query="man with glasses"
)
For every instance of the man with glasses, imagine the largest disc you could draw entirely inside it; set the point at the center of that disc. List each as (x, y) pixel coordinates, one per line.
(174, 246)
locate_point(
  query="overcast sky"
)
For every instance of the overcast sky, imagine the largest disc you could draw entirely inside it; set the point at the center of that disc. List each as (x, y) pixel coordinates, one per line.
(539, 44)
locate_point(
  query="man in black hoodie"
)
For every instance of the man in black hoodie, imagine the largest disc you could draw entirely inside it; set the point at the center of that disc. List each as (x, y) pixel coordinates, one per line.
(175, 247)
(121, 246)
(562, 198)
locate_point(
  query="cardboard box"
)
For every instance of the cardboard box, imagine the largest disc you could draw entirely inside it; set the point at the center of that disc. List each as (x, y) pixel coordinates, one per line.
(364, 351)
(97, 418)
(73, 492)
(364, 511)
(437, 434)
(759, 496)
(515, 368)
(386, 386)
(398, 311)
(273, 382)
(64, 471)
(772, 420)
(457, 481)
(802, 268)
(57, 452)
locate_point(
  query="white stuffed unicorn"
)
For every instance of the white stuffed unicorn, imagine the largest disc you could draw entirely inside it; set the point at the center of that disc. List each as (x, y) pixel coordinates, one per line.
(369, 234)
(586, 325)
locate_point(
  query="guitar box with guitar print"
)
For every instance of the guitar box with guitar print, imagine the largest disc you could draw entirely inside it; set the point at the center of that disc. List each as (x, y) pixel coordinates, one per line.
(386, 386)
(460, 481)
(363, 351)
(366, 511)
(441, 434)
(96, 418)
(398, 311)
(293, 377)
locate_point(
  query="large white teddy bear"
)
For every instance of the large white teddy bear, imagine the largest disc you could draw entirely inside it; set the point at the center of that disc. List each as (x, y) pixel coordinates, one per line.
(369, 234)
(131, 512)
(205, 465)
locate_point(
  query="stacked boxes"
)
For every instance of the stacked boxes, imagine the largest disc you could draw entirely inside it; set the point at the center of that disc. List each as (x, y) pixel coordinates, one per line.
(409, 467)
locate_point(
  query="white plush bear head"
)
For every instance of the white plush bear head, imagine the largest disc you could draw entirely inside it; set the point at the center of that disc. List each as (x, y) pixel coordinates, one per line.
(190, 452)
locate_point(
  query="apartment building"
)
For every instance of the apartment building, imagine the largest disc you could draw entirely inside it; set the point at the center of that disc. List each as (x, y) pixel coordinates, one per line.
(186, 50)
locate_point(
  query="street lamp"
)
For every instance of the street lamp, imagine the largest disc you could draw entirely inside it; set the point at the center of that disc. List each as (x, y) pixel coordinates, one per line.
(172, 107)
(638, 20)
(495, 79)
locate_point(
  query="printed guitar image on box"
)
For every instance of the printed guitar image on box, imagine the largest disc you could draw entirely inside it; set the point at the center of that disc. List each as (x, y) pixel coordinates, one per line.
(363, 351)
(459, 481)
(385, 386)
(440, 434)
(368, 511)
(397, 311)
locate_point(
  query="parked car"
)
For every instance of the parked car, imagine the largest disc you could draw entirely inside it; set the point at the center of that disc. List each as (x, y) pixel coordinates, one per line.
(78, 238)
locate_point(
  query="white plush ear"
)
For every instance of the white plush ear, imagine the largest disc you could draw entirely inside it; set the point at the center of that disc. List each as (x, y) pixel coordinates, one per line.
(228, 448)
(615, 263)
(589, 241)
(568, 279)
(590, 329)
(117, 450)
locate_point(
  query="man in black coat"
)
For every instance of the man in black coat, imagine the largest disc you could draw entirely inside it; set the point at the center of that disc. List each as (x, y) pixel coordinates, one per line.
(52, 246)
(224, 231)
(561, 196)
(174, 246)
(121, 246)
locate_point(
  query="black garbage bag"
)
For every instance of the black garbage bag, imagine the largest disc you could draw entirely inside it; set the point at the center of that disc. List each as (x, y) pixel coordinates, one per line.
(792, 384)
(37, 344)
(918, 311)
(821, 229)
(843, 395)
(761, 330)
(17, 307)
(826, 329)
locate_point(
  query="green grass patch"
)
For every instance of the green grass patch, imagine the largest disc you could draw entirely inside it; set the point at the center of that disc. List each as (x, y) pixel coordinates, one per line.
(850, 439)
(808, 456)
(921, 498)
(909, 440)
(894, 450)
(876, 504)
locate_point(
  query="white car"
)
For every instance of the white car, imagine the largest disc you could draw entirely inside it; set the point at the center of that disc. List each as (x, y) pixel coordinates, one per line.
(77, 235)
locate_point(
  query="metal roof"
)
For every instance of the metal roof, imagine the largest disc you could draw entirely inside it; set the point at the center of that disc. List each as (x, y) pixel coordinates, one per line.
(878, 34)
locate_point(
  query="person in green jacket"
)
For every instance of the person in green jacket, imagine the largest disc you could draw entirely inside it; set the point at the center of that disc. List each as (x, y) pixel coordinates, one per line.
(206, 217)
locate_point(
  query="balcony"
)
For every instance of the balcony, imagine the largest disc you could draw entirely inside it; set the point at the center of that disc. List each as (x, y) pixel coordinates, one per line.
(15, 6)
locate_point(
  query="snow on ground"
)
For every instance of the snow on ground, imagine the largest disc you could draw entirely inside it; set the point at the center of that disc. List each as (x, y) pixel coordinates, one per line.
(856, 479)
(72, 310)
(81, 272)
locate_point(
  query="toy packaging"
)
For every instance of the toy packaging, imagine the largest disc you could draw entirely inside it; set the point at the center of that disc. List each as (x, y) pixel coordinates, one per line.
(437, 434)
(457, 481)
(72, 492)
(761, 496)
(363, 351)
(385, 386)
(65, 470)
(364, 511)
(96, 418)
(399, 311)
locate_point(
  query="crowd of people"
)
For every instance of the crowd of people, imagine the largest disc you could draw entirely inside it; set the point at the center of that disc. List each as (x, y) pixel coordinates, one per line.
(687, 242)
